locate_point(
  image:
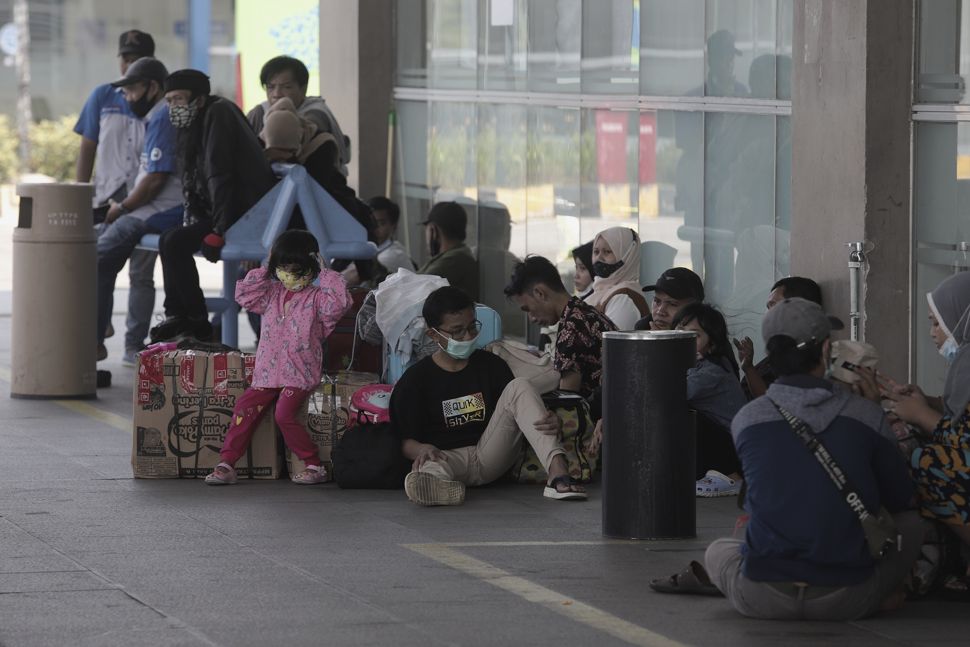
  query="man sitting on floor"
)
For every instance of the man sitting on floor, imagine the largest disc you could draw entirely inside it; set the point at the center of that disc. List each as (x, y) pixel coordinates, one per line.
(461, 415)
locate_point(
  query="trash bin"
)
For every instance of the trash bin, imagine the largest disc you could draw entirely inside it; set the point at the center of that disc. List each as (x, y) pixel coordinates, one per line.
(53, 339)
(648, 435)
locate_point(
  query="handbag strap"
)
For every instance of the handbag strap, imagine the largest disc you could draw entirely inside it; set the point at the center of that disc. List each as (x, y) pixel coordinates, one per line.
(825, 459)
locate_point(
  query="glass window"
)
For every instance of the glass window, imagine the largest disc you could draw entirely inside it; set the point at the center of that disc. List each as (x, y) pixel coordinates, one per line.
(944, 51)
(611, 47)
(411, 36)
(453, 25)
(672, 47)
(555, 34)
(412, 191)
(740, 48)
(503, 45)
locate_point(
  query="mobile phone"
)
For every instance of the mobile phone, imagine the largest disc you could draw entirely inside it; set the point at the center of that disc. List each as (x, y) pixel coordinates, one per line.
(849, 365)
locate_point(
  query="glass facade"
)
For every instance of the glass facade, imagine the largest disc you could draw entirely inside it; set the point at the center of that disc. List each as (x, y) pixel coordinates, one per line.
(941, 173)
(552, 120)
(74, 48)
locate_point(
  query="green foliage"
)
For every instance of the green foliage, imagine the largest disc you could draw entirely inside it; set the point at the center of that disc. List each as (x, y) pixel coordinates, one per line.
(53, 148)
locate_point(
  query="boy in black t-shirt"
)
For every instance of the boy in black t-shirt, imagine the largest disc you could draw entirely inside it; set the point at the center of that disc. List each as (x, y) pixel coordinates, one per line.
(461, 414)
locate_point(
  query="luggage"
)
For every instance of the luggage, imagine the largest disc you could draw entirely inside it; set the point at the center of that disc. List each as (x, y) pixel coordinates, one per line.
(369, 457)
(340, 348)
(577, 431)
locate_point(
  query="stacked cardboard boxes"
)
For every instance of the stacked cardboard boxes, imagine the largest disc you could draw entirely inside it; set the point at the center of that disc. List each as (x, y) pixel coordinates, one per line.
(183, 405)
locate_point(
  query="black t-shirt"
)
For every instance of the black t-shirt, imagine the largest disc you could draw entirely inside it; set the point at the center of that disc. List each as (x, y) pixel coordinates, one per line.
(445, 409)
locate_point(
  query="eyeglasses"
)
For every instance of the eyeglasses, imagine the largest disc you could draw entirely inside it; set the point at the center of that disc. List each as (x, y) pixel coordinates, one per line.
(459, 334)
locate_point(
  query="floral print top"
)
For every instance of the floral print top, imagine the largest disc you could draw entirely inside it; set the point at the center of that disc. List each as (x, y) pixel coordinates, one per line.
(294, 326)
(579, 344)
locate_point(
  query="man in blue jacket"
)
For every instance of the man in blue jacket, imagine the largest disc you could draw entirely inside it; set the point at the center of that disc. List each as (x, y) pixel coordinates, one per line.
(804, 555)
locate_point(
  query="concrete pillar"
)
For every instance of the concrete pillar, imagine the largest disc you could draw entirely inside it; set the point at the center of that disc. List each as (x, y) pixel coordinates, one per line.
(851, 134)
(356, 77)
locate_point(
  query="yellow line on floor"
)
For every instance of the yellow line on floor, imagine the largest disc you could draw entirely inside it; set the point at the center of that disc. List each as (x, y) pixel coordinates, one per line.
(77, 406)
(538, 594)
(602, 542)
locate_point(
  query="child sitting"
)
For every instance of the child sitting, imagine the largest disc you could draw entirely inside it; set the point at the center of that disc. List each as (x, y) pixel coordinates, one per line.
(296, 317)
(714, 391)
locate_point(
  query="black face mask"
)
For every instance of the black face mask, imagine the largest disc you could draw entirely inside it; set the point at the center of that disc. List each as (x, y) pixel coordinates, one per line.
(142, 106)
(605, 270)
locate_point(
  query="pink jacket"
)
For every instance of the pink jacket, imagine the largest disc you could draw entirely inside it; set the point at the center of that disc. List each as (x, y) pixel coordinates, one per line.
(290, 349)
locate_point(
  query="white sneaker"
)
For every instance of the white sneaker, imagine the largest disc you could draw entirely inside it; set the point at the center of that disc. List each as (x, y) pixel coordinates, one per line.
(425, 489)
(715, 484)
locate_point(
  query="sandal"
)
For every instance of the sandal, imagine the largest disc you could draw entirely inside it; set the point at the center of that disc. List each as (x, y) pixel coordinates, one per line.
(552, 490)
(715, 484)
(693, 580)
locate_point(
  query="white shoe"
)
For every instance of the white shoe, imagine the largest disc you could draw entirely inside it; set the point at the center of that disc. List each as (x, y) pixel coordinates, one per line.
(715, 484)
(425, 489)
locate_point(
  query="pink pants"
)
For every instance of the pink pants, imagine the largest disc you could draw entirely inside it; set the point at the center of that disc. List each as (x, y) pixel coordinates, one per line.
(251, 407)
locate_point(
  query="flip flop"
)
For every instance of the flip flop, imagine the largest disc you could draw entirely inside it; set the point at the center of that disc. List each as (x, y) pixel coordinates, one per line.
(552, 489)
(693, 580)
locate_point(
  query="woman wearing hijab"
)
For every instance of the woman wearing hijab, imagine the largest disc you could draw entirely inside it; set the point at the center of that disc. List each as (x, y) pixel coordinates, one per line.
(616, 283)
(583, 278)
(941, 466)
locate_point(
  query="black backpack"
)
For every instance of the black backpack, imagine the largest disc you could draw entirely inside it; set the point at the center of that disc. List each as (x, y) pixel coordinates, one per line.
(369, 456)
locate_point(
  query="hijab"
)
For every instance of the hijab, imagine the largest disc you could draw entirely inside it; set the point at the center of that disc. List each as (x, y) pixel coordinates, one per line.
(950, 303)
(626, 247)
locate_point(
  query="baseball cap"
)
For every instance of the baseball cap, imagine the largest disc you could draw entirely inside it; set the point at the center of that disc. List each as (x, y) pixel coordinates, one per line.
(450, 217)
(721, 42)
(680, 283)
(138, 42)
(801, 319)
(144, 69)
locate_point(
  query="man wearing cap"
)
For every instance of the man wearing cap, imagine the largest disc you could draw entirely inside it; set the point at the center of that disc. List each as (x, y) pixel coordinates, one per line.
(224, 173)
(444, 232)
(804, 555)
(675, 288)
(111, 145)
(153, 205)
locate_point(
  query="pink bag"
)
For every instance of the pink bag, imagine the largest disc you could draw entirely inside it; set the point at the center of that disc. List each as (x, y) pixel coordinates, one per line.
(371, 404)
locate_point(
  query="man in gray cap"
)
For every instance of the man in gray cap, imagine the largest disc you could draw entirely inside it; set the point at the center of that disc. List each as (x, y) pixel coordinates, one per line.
(153, 205)
(444, 233)
(111, 145)
(805, 554)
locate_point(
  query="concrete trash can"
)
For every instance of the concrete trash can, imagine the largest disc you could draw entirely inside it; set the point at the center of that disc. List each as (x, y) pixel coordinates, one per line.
(648, 435)
(53, 338)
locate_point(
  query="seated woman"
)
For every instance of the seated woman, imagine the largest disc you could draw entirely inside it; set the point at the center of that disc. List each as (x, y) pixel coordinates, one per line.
(616, 283)
(583, 278)
(941, 466)
(714, 391)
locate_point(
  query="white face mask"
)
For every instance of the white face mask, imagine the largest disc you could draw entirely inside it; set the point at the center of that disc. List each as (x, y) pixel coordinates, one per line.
(949, 350)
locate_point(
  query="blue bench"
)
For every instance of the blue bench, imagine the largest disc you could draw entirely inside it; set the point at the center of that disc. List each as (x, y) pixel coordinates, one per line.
(251, 237)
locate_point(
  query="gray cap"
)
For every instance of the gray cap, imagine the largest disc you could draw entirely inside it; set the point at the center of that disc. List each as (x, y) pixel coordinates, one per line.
(800, 319)
(144, 69)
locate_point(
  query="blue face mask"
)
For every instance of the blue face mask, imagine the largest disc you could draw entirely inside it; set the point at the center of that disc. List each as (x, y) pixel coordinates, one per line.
(949, 350)
(458, 349)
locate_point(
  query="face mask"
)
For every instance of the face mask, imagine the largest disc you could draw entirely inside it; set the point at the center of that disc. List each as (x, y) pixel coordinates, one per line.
(949, 350)
(605, 270)
(182, 116)
(458, 349)
(142, 106)
(292, 281)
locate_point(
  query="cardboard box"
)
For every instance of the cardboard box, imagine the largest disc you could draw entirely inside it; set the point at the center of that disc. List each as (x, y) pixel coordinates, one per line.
(183, 405)
(328, 412)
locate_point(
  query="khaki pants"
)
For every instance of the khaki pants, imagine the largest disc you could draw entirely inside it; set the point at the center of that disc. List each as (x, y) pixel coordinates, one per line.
(765, 600)
(516, 413)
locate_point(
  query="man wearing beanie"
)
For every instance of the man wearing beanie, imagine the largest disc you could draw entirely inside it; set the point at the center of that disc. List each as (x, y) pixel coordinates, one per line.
(112, 138)
(224, 173)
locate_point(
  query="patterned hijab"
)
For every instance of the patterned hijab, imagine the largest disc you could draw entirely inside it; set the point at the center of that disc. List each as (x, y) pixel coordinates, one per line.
(625, 245)
(950, 303)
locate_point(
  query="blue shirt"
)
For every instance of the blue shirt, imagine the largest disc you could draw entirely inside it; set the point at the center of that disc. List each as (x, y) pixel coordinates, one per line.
(107, 120)
(159, 156)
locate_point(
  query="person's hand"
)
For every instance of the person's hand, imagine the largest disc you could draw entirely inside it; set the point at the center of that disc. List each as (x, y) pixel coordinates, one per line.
(212, 246)
(428, 453)
(868, 385)
(114, 212)
(549, 424)
(597, 440)
(745, 352)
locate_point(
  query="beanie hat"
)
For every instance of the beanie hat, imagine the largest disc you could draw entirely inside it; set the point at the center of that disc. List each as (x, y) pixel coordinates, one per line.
(192, 80)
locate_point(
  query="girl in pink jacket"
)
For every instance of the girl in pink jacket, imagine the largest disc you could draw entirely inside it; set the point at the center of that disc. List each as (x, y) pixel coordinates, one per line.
(297, 316)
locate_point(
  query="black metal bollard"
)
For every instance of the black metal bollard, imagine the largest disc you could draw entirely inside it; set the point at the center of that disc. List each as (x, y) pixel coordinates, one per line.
(648, 435)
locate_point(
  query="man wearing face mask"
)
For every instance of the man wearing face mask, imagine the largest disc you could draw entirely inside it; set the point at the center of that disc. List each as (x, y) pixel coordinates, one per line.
(224, 173)
(444, 232)
(152, 206)
(461, 415)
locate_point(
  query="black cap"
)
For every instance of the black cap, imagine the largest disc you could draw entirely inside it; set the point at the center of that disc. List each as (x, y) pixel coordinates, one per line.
(721, 43)
(680, 283)
(192, 80)
(138, 42)
(450, 217)
(144, 69)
